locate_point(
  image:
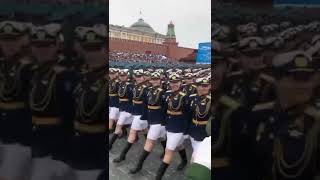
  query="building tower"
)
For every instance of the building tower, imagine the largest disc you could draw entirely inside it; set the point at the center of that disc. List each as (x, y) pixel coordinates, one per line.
(171, 35)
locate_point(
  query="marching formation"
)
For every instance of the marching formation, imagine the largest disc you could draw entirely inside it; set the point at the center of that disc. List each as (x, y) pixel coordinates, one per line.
(166, 105)
(52, 103)
(267, 111)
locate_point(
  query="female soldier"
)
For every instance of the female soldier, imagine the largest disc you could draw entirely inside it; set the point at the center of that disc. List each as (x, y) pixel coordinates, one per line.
(125, 107)
(139, 96)
(156, 118)
(177, 122)
(113, 97)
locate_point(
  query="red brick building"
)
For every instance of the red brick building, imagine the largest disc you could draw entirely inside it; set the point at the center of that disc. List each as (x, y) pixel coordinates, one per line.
(168, 48)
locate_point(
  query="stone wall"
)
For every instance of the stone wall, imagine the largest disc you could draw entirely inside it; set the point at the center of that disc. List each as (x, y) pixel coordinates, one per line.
(170, 50)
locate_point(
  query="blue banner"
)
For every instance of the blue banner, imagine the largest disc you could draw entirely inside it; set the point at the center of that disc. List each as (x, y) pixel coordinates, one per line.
(204, 53)
(296, 2)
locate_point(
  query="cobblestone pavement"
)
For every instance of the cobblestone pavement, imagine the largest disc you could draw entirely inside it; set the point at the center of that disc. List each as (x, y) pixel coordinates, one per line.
(152, 163)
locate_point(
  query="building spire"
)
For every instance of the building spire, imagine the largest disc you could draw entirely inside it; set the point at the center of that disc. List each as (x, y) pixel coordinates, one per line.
(170, 32)
(140, 14)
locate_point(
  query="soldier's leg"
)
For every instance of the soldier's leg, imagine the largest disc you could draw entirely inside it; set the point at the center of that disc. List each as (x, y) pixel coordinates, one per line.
(113, 117)
(115, 135)
(111, 122)
(131, 140)
(16, 162)
(124, 119)
(183, 156)
(153, 135)
(163, 140)
(163, 144)
(174, 140)
(145, 133)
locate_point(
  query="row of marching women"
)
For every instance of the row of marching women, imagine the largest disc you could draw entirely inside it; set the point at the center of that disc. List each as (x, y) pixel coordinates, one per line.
(167, 106)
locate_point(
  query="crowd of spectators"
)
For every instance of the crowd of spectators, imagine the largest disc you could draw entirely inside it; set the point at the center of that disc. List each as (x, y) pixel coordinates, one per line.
(137, 57)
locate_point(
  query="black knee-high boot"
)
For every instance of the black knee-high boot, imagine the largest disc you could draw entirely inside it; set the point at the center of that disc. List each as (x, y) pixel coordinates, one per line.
(113, 128)
(163, 144)
(123, 153)
(124, 132)
(161, 170)
(142, 158)
(184, 161)
(112, 140)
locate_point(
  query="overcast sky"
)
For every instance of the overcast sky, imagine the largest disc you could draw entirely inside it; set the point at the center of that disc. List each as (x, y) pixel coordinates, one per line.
(192, 18)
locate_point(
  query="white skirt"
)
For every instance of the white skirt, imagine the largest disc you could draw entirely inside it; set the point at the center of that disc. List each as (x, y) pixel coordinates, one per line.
(124, 118)
(113, 113)
(138, 124)
(174, 140)
(156, 131)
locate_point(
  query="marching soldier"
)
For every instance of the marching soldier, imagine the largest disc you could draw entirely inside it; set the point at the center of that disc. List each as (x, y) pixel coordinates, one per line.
(200, 106)
(125, 108)
(51, 104)
(177, 122)
(16, 71)
(200, 167)
(155, 118)
(138, 103)
(113, 98)
(189, 87)
(88, 149)
(146, 76)
(284, 132)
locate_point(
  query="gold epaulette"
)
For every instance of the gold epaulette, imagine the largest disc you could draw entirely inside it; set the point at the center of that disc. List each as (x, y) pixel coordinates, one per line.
(235, 73)
(268, 78)
(181, 93)
(194, 86)
(227, 101)
(192, 95)
(209, 96)
(313, 112)
(263, 106)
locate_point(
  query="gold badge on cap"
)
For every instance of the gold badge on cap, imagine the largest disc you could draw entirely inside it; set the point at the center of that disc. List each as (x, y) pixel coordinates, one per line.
(8, 28)
(174, 77)
(301, 62)
(90, 36)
